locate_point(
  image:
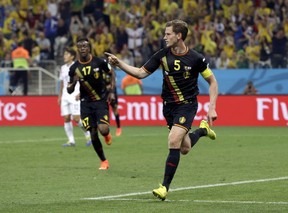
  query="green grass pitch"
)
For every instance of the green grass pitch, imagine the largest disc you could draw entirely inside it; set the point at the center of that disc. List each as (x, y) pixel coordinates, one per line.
(244, 170)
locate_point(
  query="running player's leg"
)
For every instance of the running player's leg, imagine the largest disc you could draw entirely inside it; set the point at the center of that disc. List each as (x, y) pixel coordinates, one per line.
(77, 119)
(114, 106)
(179, 119)
(68, 126)
(192, 138)
(103, 121)
(90, 119)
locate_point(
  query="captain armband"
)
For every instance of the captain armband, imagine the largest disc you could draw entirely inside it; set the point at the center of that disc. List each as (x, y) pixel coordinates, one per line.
(207, 73)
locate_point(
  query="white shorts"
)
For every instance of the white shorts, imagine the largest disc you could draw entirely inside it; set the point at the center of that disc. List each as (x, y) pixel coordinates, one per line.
(69, 106)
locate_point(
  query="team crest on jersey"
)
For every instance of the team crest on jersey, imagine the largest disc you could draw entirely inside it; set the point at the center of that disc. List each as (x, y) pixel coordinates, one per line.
(187, 73)
(182, 120)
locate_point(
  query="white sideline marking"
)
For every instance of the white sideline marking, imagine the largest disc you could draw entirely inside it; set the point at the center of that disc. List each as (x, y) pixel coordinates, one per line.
(130, 135)
(35, 140)
(190, 187)
(204, 201)
(239, 202)
(65, 139)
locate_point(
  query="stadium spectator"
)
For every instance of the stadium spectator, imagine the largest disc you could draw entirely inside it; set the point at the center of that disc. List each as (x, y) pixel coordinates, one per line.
(38, 7)
(70, 103)
(135, 36)
(241, 60)
(131, 85)
(98, 45)
(28, 41)
(240, 34)
(121, 38)
(21, 60)
(146, 50)
(2, 14)
(222, 62)
(250, 89)
(76, 8)
(50, 29)
(4, 46)
(265, 53)
(9, 25)
(279, 49)
(52, 7)
(126, 55)
(31, 22)
(241, 21)
(7, 61)
(61, 37)
(64, 6)
(44, 45)
(252, 51)
(179, 94)
(76, 26)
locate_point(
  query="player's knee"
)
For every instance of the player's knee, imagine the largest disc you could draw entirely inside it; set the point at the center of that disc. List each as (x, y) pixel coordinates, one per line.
(103, 129)
(77, 119)
(184, 151)
(67, 118)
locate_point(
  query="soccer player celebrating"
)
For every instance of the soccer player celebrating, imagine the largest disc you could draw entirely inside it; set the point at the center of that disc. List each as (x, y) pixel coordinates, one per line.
(181, 67)
(70, 103)
(89, 71)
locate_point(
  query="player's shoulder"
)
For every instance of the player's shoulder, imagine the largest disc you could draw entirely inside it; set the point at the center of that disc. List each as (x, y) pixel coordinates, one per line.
(98, 59)
(63, 67)
(74, 66)
(195, 54)
(163, 51)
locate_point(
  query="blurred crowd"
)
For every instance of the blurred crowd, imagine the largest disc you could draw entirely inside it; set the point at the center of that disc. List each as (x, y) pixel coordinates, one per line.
(230, 33)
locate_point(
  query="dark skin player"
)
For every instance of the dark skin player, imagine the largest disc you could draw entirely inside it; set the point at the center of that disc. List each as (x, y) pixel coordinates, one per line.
(89, 71)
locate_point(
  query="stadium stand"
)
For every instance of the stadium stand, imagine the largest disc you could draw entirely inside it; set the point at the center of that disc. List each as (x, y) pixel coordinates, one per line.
(251, 33)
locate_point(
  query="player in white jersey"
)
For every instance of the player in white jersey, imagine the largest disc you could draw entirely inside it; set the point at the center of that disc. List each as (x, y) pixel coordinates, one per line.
(70, 103)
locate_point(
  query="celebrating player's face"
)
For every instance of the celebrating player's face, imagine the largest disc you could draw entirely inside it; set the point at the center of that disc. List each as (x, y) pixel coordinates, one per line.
(170, 37)
(83, 48)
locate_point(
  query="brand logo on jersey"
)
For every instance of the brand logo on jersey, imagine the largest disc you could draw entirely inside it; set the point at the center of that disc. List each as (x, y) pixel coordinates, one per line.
(182, 120)
(166, 72)
(187, 68)
(106, 117)
(96, 69)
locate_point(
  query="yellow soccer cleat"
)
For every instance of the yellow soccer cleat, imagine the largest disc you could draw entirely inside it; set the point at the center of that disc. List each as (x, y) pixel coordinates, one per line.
(161, 192)
(210, 133)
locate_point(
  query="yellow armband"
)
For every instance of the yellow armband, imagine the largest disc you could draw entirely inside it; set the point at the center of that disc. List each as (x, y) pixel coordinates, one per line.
(207, 73)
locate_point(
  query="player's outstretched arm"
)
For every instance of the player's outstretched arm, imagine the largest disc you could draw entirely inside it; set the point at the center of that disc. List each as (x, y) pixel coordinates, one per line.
(213, 93)
(134, 71)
